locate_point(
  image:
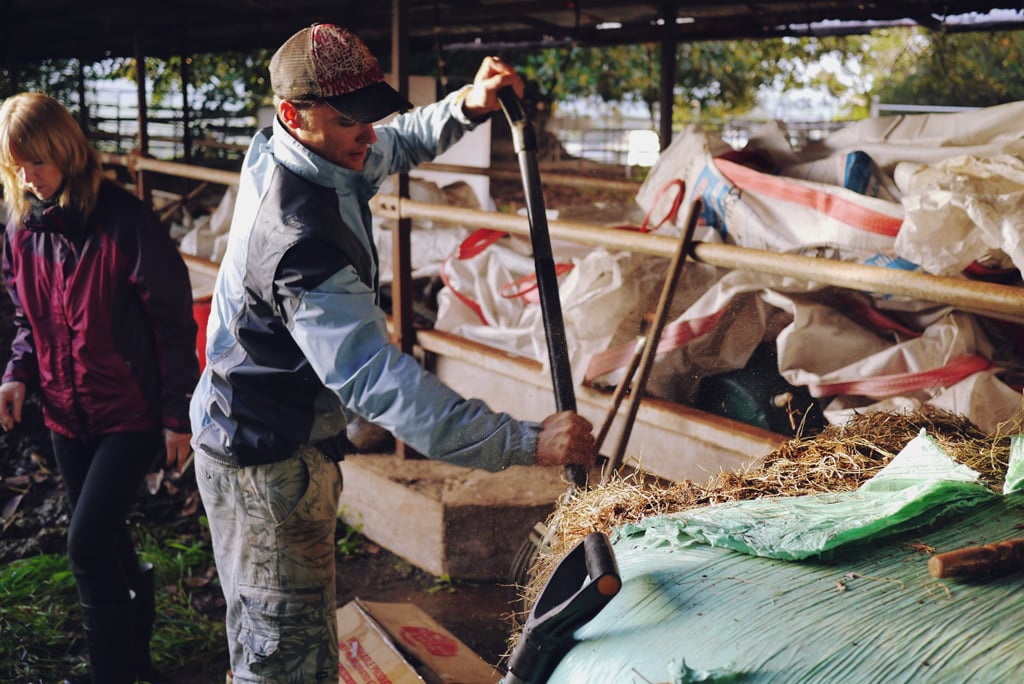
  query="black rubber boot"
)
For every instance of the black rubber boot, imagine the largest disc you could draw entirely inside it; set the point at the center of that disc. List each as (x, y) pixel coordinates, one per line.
(107, 630)
(145, 614)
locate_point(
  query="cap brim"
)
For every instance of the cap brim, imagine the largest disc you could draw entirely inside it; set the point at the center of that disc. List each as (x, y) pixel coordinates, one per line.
(370, 104)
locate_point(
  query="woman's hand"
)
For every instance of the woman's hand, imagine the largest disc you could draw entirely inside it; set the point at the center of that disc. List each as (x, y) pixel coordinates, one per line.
(178, 449)
(12, 400)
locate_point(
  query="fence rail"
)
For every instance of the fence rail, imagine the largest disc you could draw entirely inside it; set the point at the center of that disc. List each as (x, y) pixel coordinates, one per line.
(981, 297)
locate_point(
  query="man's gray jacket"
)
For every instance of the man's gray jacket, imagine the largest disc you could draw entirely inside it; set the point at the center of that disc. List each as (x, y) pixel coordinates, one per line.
(296, 341)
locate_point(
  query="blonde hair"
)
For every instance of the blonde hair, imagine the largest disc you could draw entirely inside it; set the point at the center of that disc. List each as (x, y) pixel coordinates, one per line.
(34, 126)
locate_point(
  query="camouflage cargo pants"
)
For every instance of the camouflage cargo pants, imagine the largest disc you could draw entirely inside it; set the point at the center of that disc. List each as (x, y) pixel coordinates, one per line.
(272, 528)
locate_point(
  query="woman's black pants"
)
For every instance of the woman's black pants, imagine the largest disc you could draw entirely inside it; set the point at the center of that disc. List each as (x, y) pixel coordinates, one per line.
(102, 476)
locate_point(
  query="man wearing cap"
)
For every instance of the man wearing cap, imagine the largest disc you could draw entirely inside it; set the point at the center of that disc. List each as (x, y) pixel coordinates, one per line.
(298, 346)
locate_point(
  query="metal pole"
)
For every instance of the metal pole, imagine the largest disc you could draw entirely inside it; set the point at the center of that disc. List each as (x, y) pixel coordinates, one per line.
(524, 140)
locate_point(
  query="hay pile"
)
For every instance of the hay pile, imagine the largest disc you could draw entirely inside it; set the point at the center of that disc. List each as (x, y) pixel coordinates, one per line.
(838, 459)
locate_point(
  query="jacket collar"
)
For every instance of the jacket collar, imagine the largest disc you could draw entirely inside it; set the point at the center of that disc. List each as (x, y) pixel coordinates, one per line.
(307, 164)
(49, 216)
(346, 183)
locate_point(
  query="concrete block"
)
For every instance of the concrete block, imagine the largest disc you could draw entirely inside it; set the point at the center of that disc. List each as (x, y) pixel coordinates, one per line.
(448, 520)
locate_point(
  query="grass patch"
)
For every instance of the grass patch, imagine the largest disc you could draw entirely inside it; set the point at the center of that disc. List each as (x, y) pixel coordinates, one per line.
(350, 540)
(444, 583)
(41, 621)
(184, 568)
(38, 613)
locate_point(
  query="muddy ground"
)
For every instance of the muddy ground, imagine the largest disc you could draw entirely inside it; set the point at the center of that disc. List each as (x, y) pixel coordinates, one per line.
(479, 614)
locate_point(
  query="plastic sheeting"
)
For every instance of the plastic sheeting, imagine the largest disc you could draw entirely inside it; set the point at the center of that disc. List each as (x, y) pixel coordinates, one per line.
(860, 612)
(918, 486)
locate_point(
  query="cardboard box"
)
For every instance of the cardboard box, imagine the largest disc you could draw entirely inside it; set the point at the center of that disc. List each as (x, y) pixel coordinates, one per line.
(399, 643)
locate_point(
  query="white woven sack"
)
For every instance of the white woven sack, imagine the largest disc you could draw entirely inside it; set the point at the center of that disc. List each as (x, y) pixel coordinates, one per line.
(599, 291)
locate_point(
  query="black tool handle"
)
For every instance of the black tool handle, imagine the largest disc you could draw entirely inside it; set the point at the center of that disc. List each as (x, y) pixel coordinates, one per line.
(580, 587)
(524, 140)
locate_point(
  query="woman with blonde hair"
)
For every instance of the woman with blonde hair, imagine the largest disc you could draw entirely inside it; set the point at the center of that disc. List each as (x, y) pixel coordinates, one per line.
(104, 332)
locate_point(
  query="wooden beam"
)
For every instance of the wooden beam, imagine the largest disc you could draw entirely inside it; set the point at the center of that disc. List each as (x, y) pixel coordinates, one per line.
(977, 296)
(194, 172)
(513, 173)
(980, 297)
(667, 439)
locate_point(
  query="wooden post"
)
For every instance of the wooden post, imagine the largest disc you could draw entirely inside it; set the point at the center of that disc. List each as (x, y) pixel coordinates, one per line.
(83, 106)
(401, 300)
(141, 188)
(186, 109)
(668, 75)
(401, 260)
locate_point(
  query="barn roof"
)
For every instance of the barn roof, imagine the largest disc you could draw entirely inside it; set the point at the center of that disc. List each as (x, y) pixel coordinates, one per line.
(39, 29)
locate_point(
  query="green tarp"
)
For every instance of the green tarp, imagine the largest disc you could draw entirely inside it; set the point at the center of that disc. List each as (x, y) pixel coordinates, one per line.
(919, 485)
(859, 607)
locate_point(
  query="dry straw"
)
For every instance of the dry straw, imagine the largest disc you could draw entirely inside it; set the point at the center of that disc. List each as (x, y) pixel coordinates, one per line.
(840, 458)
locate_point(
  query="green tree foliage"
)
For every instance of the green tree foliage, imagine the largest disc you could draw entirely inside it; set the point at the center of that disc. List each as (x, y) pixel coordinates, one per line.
(958, 69)
(224, 82)
(613, 73)
(834, 65)
(713, 78)
(58, 78)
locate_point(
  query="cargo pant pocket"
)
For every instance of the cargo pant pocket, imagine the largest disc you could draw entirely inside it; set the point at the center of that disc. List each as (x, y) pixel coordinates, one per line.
(277, 628)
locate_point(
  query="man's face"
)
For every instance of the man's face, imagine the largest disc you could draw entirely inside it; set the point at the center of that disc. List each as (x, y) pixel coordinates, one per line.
(336, 137)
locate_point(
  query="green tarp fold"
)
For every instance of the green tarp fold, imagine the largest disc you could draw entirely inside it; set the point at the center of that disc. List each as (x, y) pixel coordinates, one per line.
(921, 484)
